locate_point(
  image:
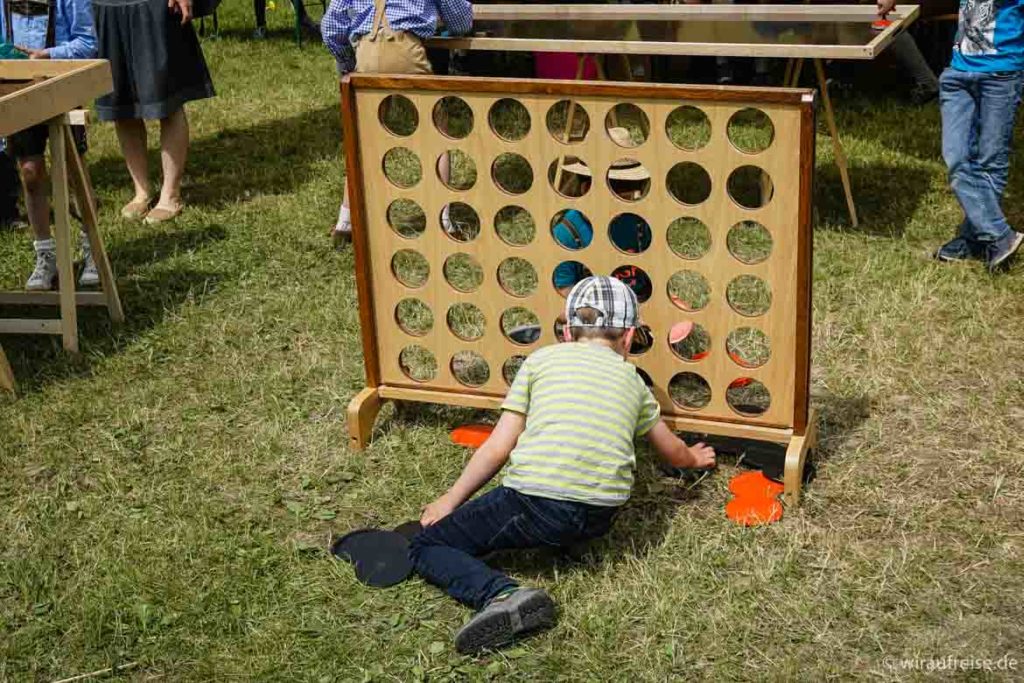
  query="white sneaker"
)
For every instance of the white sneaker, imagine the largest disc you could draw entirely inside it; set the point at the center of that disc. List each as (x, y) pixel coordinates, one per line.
(44, 277)
(90, 277)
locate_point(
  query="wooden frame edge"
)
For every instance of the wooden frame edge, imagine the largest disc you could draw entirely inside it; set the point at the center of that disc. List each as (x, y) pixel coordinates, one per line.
(360, 230)
(805, 268)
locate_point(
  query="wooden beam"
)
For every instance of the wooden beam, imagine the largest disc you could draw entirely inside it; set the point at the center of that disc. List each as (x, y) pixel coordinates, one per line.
(6, 374)
(50, 299)
(66, 86)
(30, 326)
(62, 234)
(710, 12)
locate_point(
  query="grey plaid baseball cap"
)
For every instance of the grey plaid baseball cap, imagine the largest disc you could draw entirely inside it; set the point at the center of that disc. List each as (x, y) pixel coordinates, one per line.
(611, 297)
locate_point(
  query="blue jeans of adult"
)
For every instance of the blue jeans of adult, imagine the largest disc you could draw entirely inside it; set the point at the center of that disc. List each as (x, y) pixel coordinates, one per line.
(978, 111)
(447, 554)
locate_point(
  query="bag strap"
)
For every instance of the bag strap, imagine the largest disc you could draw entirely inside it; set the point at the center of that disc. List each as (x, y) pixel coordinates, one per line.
(380, 17)
(51, 21)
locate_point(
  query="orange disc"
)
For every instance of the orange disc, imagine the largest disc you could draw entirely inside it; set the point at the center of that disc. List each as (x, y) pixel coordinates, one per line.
(680, 331)
(471, 436)
(751, 513)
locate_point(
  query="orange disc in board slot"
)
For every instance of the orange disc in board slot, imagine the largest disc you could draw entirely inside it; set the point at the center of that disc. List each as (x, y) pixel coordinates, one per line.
(880, 24)
(755, 499)
(471, 436)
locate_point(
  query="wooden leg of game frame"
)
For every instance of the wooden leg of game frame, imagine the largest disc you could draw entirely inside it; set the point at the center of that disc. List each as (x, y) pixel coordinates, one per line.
(796, 458)
(362, 412)
(82, 188)
(6, 374)
(62, 235)
(837, 146)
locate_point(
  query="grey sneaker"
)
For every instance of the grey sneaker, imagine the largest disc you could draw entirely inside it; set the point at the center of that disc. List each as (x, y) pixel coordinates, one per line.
(44, 276)
(958, 249)
(90, 277)
(1000, 252)
(504, 618)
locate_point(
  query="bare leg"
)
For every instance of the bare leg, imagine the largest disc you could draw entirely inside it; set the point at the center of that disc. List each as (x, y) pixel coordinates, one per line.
(173, 153)
(131, 133)
(37, 195)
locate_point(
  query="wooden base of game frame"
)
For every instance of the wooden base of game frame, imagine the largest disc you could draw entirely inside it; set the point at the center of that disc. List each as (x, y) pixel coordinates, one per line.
(365, 406)
(66, 165)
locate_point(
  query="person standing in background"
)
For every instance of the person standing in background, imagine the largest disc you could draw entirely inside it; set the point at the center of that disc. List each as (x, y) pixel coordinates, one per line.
(979, 93)
(46, 29)
(158, 66)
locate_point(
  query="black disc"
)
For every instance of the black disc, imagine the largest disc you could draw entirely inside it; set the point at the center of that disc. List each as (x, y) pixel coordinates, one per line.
(409, 529)
(381, 558)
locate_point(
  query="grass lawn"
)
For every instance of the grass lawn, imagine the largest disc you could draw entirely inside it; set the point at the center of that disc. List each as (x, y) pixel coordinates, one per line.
(166, 498)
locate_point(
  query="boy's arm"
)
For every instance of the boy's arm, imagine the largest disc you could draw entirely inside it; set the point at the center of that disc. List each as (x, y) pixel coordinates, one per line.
(675, 453)
(334, 28)
(484, 464)
(457, 16)
(82, 44)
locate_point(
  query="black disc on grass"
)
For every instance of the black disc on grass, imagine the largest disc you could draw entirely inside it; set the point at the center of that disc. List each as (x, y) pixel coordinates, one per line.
(381, 558)
(409, 529)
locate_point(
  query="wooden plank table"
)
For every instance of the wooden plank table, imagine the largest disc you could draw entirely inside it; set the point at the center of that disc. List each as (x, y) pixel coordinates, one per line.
(793, 32)
(45, 91)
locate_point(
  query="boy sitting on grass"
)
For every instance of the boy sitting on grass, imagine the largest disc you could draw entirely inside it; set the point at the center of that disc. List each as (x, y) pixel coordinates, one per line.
(568, 425)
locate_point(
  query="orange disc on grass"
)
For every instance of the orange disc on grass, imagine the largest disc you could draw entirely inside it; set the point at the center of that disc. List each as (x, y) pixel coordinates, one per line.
(471, 436)
(755, 499)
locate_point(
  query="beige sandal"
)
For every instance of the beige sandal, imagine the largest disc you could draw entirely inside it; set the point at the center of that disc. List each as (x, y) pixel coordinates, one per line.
(136, 209)
(159, 214)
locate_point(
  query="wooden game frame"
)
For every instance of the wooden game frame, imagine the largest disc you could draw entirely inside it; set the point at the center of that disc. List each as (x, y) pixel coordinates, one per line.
(789, 160)
(49, 92)
(901, 17)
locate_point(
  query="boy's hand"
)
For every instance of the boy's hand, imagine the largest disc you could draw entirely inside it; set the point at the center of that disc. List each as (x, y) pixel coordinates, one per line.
(438, 510)
(703, 456)
(34, 54)
(884, 7)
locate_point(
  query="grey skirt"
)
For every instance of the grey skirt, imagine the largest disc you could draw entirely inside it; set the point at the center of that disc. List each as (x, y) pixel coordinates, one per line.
(156, 62)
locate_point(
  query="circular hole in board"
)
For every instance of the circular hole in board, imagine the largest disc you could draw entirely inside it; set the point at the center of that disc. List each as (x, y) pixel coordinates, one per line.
(695, 346)
(749, 242)
(515, 226)
(520, 325)
(571, 229)
(407, 218)
(689, 391)
(567, 274)
(559, 329)
(398, 115)
(750, 187)
(751, 131)
(417, 363)
(688, 290)
(402, 167)
(556, 119)
(410, 268)
(627, 125)
(630, 233)
(414, 317)
(628, 180)
(575, 177)
(643, 340)
(517, 276)
(463, 272)
(509, 119)
(688, 128)
(689, 238)
(512, 173)
(749, 295)
(645, 377)
(636, 278)
(466, 321)
(460, 222)
(748, 347)
(453, 118)
(470, 368)
(461, 170)
(688, 183)
(511, 368)
(748, 397)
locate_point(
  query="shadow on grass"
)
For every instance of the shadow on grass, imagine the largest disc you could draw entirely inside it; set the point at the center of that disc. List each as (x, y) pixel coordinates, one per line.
(886, 196)
(147, 295)
(232, 165)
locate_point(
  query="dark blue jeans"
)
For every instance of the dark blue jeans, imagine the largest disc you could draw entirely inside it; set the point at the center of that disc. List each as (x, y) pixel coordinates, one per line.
(447, 553)
(978, 111)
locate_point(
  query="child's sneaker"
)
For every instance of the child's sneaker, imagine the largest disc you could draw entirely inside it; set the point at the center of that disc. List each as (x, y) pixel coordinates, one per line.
(957, 249)
(44, 276)
(90, 277)
(504, 618)
(1000, 252)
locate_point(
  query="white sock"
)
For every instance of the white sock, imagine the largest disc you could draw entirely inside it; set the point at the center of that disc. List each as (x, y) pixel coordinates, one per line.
(44, 245)
(446, 217)
(344, 218)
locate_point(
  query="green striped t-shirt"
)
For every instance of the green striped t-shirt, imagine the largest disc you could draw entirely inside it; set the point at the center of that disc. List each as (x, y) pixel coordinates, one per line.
(584, 406)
